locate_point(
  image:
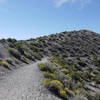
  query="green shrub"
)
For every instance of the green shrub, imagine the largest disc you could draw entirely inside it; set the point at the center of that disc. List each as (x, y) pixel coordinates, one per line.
(3, 40)
(69, 92)
(45, 67)
(33, 58)
(50, 75)
(86, 75)
(46, 82)
(64, 71)
(11, 44)
(54, 85)
(36, 49)
(95, 72)
(62, 94)
(37, 55)
(4, 63)
(11, 40)
(78, 91)
(95, 58)
(97, 79)
(64, 55)
(20, 49)
(14, 52)
(29, 56)
(85, 55)
(24, 59)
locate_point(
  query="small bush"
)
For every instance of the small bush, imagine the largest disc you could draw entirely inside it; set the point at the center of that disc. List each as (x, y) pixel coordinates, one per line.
(95, 59)
(33, 58)
(62, 94)
(14, 52)
(95, 72)
(30, 57)
(45, 67)
(78, 91)
(55, 86)
(24, 59)
(4, 63)
(97, 79)
(11, 40)
(64, 71)
(37, 55)
(85, 55)
(86, 75)
(3, 40)
(70, 92)
(20, 49)
(46, 82)
(50, 75)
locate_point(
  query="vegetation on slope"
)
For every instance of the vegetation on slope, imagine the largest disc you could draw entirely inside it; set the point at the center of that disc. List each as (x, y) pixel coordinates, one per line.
(71, 80)
(74, 71)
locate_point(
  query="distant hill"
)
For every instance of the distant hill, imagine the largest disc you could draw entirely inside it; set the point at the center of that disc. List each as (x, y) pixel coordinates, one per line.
(71, 43)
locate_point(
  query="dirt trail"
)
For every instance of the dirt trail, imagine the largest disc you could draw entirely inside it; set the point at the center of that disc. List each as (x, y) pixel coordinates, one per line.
(25, 84)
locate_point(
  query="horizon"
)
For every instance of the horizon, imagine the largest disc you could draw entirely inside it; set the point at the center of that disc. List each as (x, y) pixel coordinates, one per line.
(42, 35)
(30, 19)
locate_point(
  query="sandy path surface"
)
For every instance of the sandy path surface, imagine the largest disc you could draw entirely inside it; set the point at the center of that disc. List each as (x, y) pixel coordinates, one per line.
(25, 83)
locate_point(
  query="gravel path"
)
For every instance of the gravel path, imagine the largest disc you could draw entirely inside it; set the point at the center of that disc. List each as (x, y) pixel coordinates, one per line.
(25, 84)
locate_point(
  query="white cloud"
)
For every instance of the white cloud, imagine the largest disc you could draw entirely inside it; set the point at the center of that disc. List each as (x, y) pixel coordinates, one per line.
(61, 2)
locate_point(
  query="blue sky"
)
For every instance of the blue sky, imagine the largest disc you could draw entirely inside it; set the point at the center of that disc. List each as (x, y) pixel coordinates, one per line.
(23, 19)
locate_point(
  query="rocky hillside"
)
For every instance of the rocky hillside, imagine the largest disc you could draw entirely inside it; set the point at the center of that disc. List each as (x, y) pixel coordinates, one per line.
(78, 50)
(72, 43)
(75, 43)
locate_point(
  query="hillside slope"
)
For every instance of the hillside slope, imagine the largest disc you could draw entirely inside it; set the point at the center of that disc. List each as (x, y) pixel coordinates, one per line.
(75, 54)
(72, 43)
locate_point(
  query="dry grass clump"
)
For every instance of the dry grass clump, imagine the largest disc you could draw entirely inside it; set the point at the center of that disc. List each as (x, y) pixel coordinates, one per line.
(4, 63)
(24, 59)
